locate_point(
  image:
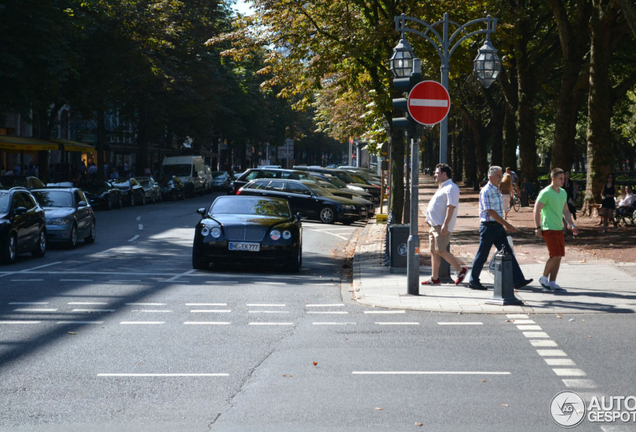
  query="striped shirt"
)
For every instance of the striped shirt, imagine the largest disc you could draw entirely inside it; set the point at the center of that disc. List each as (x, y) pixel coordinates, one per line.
(490, 199)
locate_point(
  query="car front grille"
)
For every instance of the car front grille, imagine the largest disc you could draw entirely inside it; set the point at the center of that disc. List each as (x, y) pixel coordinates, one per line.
(245, 233)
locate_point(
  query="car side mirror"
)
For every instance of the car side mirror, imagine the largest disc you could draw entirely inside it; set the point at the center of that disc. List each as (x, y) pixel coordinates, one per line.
(82, 204)
(20, 211)
(298, 217)
(201, 211)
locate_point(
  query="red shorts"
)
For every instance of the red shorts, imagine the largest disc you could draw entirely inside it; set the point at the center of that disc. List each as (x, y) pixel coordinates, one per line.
(555, 242)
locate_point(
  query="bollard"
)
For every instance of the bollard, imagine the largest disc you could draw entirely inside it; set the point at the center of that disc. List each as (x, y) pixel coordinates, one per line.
(504, 292)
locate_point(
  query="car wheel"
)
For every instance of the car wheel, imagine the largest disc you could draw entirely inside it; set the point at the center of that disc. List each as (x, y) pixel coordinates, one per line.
(198, 263)
(327, 215)
(40, 246)
(294, 263)
(11, 250)
(72, 239)
(91, 235)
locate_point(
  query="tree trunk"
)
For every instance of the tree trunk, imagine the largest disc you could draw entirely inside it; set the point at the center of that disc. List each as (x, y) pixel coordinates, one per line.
(599, 159)
(396, 198)
(509, 150)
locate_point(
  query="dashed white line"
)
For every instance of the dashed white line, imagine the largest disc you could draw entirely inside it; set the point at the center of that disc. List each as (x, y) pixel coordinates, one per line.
(535, 334)
(207, 323)
(325, 305)
(264, 305)
(559, 362)
(569, 372)
(468, 323)
(211, 311)
(333, 323)
(528, 327)
(27, 280)
(28, 303)
(87, 303)
(20, 322)
(76, 280)
(206, 304)
(153, 311)
(327, 312)
(29, 310)
(385, 312)
(543, 343)
(579, 383)
(396, 323)
(551, 353)
(271, 323)
(429, 373)
(268, 312)
(93, 310)
(133, 238)
(79, 322)
(145, 304)
(162, 375)
(142, 322)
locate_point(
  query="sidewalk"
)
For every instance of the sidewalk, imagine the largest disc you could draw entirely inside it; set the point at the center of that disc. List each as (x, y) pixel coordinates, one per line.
(593, 285)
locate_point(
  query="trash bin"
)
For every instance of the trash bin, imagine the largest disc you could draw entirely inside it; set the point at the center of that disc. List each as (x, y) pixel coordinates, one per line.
(398, 244)
(524, 199)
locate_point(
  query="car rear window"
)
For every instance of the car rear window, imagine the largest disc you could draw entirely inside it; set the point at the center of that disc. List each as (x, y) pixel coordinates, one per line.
(54, 198)
(4, 202)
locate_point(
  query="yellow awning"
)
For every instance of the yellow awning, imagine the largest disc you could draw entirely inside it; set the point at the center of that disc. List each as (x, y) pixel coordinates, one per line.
(75, 146)
(26, 144)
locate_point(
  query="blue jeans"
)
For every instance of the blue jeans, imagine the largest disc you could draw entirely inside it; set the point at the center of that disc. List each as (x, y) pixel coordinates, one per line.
(493, 233)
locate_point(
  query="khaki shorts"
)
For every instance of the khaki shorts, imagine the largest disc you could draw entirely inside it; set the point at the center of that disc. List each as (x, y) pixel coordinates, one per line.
(436, 241)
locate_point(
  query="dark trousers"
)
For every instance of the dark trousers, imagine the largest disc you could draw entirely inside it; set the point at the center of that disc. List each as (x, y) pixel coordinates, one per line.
(493, 233)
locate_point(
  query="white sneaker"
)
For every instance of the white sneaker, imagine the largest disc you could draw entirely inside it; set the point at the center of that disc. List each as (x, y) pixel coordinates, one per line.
(545, 283)
(556, 288)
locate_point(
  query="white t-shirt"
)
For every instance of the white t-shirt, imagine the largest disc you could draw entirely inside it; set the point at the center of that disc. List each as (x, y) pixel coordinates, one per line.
(447, 194)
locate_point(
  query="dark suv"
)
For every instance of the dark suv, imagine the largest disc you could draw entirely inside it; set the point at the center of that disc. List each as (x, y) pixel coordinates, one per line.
(22, 225)
(269, 173)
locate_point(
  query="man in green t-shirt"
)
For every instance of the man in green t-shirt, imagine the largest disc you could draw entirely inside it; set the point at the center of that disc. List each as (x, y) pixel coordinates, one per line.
(549, 210)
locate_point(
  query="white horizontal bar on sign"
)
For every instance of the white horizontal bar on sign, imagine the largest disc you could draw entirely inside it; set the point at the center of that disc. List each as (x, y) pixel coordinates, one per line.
(443, 103)
(144, 375)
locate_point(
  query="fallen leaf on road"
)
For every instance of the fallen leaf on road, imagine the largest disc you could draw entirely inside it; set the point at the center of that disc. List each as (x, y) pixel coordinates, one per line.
(483, 380)
(505, 405)
(419, 424)
(378, 408)
(288, 376)
(315, 363)
(584, 261)
(72, 333)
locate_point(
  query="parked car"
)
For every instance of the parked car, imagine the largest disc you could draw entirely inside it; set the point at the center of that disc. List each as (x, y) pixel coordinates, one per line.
(22, 225)
(152, 190)
(69, 216)
(248, 228)
(308, 199)
(172, 188)
(273, 173)
(189, 169)
(28, 182)
(101, 194)
(346, 177)
(131, 191)
(221, 181)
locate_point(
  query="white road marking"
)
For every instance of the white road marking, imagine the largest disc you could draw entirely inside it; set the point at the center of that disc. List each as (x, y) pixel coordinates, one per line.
(142, 322)
(140, 227)
(180, 275)
(385, 312)
(396, 323)
(325, 305)
(206, 304)
(271, 283)
(471, 323)
(560, 362)
(28, 303)
(146, 304)
(211, 311)
(123, 281)
(333, 323)
(543, 343)
(80, 322)
(535, 334)
(529, 327)
(222, 282)
(569, 372)
(162, 375)
(579, 383)
(93, 310)
(138, 218)
(515, 316)
(327, 312)
(133, 238)
(207, 323)
(34, 310)
(76, 280)
(551, 353)
(87, 303)
(264, 305)
(428, 373)
(153, 311)
(20, 322)
(27, 280)
(268, 312)
(271, 323)
(524, 321)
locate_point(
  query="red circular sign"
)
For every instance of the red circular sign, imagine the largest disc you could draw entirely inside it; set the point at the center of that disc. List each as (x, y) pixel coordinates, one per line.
(428, 103)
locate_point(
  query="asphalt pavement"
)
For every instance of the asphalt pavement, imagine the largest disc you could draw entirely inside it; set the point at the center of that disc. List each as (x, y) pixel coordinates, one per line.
(592, 286)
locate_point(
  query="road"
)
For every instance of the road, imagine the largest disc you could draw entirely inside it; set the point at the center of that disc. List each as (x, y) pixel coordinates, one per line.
(123, 335)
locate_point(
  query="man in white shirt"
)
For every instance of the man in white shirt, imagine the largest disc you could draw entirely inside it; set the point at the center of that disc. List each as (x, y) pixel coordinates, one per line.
(441, 215)
(629, 199)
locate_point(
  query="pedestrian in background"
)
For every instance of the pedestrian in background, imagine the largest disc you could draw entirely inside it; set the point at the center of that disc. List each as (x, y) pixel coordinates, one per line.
(492, 231)
(609, 203)
(549, 210)
(441, 215)
(571, 188)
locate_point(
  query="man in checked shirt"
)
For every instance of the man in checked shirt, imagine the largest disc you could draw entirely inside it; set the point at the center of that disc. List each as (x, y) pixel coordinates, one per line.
(492, 231)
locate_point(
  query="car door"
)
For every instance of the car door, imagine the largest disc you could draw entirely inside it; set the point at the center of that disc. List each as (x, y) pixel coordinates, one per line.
(300, 199)
(24, 221)
(82, 213)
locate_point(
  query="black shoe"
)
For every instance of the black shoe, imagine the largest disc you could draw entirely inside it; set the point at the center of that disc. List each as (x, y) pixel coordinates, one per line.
(523, 283)
(476, 286)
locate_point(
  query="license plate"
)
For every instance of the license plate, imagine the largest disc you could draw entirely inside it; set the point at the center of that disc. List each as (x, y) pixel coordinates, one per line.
(250, 247)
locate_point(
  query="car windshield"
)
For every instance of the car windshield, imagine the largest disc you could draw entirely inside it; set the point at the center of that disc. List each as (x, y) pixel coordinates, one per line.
(317, 190)
(337, 182)
(54, 198)
(358, 179)
(4, 202)
(250, 206)
(177, 170)
(345, 177)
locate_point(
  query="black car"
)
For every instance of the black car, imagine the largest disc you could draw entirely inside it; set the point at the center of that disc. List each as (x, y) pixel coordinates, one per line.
(269, 173)
(101, 194)
(308, 199)
(346, 177)
(28, 182)
(22, 225)
(132, 193)
(172, 188)
(248, 228)
(69, 216)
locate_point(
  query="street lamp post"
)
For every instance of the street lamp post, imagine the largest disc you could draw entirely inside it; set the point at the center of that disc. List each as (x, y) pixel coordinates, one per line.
(486, 66)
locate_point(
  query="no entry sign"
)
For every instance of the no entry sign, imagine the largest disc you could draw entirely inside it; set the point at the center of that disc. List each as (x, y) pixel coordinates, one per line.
(428, 103)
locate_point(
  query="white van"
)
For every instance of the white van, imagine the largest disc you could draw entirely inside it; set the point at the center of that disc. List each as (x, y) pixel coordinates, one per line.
(189, 169)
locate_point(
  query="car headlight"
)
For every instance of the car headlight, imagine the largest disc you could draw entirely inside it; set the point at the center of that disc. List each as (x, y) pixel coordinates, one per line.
(274, 235)
(216, 232)
(58, 221)
(205, 231)
(287, 235)
(349, 207)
